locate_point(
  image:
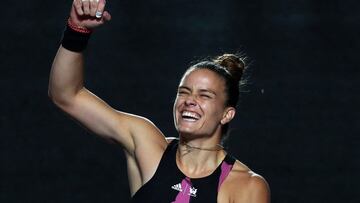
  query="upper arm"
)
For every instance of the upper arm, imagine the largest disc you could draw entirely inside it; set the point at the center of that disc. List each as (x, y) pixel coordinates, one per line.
(141, 140)
(97, 116)
(260, 191)
(257, 191)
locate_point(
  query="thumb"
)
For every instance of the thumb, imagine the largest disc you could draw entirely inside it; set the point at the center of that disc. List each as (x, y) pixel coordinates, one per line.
(106, 16)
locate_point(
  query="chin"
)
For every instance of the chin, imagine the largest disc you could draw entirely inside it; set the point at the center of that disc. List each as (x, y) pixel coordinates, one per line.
(190, 133)
(189, 129)
(182, 130)
(185, 131)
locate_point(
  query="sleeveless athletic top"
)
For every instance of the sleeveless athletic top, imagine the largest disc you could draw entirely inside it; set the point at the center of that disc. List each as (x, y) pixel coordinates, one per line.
(170, 185)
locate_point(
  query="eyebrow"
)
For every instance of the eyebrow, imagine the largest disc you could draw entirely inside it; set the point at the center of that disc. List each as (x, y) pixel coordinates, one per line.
(207, 90)
(201, 90)
(184, 87)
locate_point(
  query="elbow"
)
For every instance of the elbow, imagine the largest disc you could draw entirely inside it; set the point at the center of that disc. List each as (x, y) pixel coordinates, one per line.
(56, 100)
(60, 100)
(50, 94)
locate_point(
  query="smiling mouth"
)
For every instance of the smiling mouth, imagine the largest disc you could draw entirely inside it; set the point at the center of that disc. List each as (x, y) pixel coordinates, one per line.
(190, 116)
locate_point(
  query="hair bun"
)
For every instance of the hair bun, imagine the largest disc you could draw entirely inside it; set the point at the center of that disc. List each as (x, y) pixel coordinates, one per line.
(233, 63)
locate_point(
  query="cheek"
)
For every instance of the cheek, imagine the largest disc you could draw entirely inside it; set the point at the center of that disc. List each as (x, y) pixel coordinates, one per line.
(215, 110)
(176, 105)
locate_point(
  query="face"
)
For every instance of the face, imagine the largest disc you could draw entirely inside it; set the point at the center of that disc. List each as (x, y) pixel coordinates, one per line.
(199, 108)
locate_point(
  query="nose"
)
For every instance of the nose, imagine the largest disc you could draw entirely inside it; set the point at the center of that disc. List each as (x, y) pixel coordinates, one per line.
(190, 100)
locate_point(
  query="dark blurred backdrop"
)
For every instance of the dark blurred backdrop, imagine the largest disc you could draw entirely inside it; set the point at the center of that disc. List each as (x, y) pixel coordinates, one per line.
(297, 125)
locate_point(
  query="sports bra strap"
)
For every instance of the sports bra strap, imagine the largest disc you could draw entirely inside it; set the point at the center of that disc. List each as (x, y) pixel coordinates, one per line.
(226, 167)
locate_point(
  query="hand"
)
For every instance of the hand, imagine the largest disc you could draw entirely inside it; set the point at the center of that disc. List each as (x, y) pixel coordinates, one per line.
(89, 13)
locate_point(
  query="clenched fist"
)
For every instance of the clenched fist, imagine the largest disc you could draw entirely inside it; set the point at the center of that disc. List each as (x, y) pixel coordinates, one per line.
(89, 13)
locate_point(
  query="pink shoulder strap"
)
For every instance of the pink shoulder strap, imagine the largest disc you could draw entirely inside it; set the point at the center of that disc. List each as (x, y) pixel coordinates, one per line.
(225, 170)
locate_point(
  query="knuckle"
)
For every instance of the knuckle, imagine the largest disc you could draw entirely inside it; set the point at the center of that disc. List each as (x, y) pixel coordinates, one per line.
(101, 6)
(77, 6)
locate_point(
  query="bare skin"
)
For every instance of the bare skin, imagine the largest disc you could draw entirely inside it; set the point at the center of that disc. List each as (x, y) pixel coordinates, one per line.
(200, 93)
(67, 91)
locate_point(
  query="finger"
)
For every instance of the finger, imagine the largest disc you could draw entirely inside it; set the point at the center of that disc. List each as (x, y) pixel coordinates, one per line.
(106, 16)
(100, 9)
(78, 7)
(93, 7)
(86, 6)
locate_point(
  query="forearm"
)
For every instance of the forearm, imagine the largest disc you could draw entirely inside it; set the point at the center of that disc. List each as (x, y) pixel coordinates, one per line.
(66, 76)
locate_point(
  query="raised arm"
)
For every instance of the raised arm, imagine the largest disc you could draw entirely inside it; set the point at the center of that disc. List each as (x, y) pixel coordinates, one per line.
(67, 91)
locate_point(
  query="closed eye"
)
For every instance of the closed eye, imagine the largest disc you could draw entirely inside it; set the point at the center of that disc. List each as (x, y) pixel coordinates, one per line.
(206, 96)
(206, 93)
(183, 91)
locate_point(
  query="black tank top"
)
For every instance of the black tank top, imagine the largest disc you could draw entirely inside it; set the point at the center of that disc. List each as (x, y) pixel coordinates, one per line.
(170, 185)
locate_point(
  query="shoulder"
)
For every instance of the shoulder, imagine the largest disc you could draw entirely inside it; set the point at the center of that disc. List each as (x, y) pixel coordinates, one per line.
(141, 130)
(147, 143)
(244, 185)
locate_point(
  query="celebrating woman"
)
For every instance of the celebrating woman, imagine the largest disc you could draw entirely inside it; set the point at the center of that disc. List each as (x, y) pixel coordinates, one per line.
(194, 167)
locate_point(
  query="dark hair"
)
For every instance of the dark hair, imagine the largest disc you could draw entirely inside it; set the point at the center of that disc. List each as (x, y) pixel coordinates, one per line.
(230, 67)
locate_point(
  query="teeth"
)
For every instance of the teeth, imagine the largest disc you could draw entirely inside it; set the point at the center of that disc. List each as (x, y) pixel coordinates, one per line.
(190, 114)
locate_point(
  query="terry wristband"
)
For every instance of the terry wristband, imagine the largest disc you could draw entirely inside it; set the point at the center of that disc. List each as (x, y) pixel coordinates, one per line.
(75, 38)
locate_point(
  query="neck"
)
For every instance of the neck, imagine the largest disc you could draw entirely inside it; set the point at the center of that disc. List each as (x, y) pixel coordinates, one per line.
(199, 158)
(189, 147)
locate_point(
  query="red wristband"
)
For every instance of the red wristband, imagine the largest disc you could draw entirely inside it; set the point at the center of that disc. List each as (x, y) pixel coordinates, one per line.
(77, 28)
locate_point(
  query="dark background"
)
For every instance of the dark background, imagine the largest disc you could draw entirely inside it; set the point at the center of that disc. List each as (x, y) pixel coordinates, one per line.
(297, 125)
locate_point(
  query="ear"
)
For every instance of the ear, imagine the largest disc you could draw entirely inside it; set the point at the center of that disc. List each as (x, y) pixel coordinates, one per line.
(229, 114)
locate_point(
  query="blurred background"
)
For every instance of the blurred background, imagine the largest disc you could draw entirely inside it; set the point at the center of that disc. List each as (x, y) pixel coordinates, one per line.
(297, 124)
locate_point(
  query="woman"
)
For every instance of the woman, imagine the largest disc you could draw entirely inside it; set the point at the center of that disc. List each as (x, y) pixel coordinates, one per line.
(194, 168)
